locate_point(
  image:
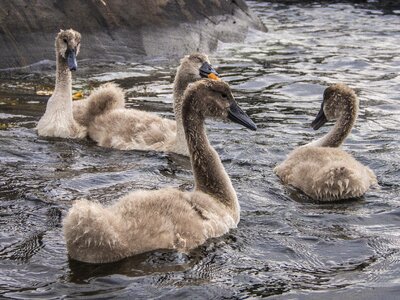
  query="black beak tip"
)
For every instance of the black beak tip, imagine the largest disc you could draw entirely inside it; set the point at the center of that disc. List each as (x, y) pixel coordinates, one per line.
(238, 116)
(253, 127)
(320, 120)
(71, 60)
(313, 125)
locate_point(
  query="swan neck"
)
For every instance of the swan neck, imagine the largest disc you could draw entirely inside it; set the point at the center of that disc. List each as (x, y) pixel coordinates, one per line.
(63, 80)
(180, 85)
(337, 135)
(180, 131)
(209, 173)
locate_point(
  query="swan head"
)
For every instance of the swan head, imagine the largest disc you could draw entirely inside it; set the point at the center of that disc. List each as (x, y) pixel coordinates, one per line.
(214, 99)
(338, 100)
(196, 66)
(68, 44)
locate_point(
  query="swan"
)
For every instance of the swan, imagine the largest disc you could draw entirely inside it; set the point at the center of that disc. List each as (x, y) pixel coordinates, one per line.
(321, 169)
(132, 129)
(67, 119)
(167, 218)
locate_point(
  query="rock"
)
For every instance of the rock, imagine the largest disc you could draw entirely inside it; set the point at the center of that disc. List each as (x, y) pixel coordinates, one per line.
(120, 30)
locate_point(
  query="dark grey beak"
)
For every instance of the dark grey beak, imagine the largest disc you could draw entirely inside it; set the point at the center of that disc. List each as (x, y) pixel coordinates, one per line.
(206, 70)
(320, 119)
(237, 115)
(71, 59)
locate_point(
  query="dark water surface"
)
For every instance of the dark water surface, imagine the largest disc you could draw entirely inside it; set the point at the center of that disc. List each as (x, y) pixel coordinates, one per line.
(285, 246)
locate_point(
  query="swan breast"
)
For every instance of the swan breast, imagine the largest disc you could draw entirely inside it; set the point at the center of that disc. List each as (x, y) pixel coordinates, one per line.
(326, 174)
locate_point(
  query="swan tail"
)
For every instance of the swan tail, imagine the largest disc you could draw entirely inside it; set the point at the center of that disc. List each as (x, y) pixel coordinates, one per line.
(90, 235)
(282, 172)
(372, 177)
(339, 183)
(105, 98)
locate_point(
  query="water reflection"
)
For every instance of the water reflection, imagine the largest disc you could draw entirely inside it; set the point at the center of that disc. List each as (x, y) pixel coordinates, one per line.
(140, 265)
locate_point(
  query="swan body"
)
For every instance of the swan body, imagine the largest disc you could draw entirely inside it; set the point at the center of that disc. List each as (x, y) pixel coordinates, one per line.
(325, 174)
(321, 169)
(168, 218)
(64, 118)
(107, 97)
(132, 129)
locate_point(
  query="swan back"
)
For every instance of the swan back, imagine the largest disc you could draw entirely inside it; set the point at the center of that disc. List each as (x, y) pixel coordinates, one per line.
(326, 174)
(104, 99)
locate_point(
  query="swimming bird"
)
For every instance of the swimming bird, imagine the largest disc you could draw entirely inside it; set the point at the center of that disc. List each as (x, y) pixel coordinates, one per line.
(67, 119)
(167, 218)
(132, 129)
(321, 169)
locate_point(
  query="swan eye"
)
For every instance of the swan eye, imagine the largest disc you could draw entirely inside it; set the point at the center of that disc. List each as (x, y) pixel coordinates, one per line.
(198, 59)
(65, 40)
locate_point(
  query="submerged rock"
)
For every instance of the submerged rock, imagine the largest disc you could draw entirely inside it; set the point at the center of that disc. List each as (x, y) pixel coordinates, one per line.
(120, 30)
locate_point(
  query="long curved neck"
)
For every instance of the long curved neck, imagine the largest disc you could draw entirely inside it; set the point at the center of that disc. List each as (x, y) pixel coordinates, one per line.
(63, 88)
(209, 173)
(342, 128)
(180, 85)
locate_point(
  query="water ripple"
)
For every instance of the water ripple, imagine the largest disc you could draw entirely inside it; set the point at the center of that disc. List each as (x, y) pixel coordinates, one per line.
(285, 244)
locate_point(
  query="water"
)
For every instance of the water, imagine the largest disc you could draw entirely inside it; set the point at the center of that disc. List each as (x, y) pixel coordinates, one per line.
(285, 245)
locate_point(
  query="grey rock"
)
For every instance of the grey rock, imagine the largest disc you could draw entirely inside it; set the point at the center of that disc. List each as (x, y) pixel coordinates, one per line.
(119, 30)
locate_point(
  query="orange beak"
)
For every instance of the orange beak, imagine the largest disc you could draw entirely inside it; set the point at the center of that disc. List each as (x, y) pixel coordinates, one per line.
(213, 76)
